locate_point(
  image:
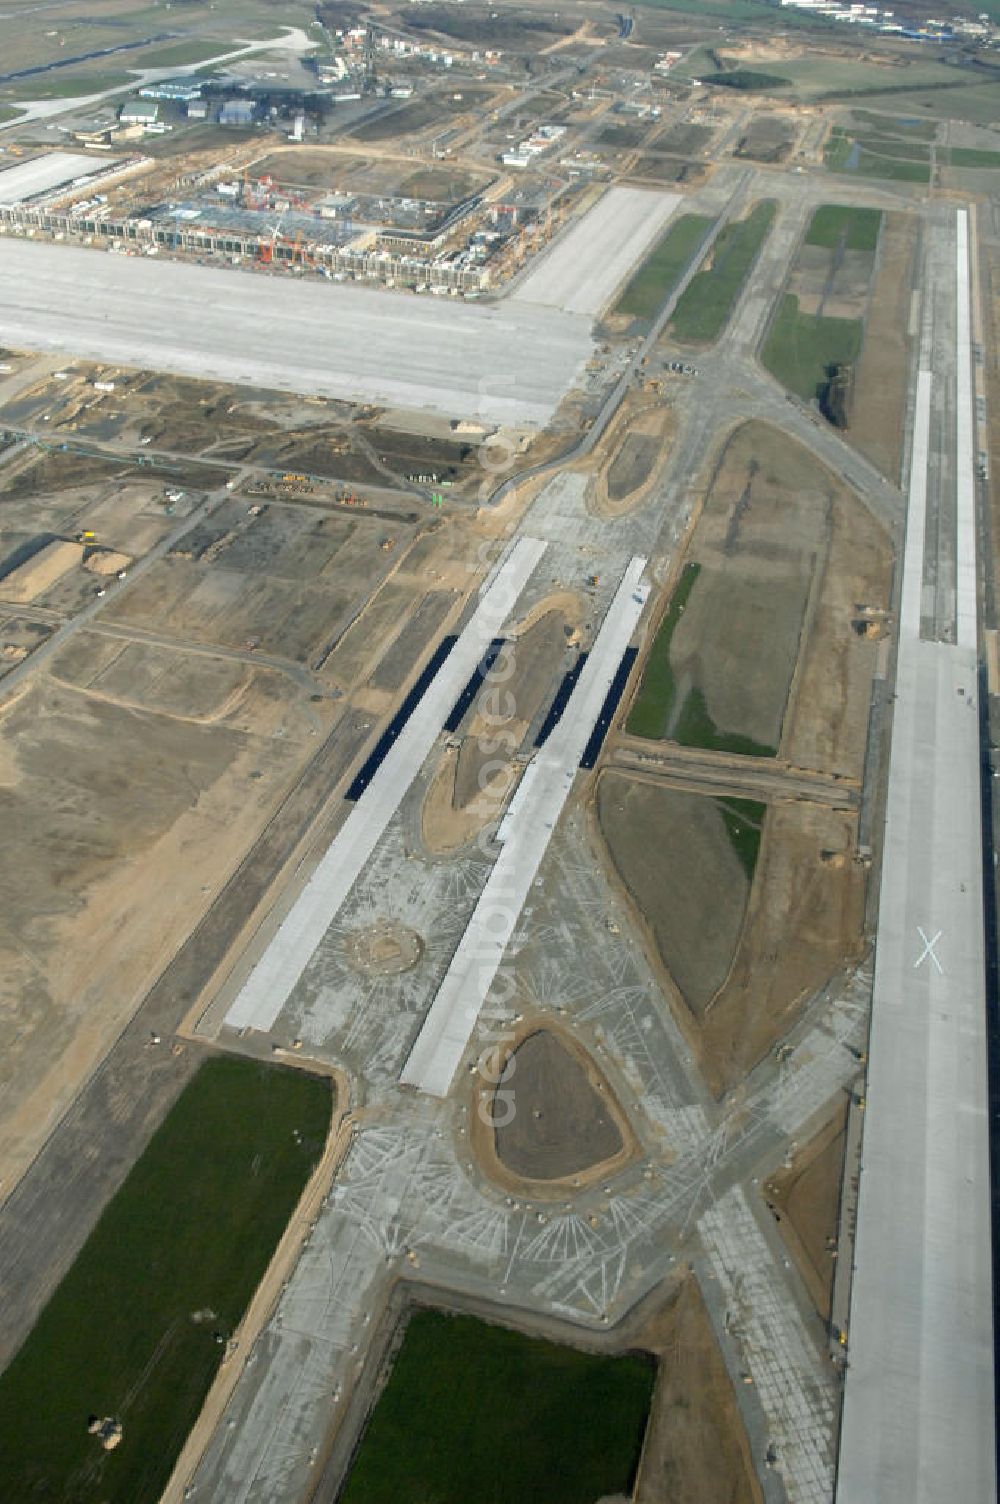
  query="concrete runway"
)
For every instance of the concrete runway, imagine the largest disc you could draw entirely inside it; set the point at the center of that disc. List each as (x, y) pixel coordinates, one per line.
(918, 1420)
(510, 363)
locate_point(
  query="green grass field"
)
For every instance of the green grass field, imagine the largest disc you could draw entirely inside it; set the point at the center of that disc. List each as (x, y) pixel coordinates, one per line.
(137, 1328)
(744, 822)
(892, 147)
(831, 78)
(67, 85)
(659, 273)
(476, 1412)
(653, 709)
(859, 228)
(874, 165)
(969, 156)
(695, 728)
(895, 125)
(801, 348)
(871, 156)
(654, 699)
(746, 10)
(704, 306)
(180, 54)
(958, 99)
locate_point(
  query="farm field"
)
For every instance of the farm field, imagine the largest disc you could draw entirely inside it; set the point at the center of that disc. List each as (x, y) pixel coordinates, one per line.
(138, 1327)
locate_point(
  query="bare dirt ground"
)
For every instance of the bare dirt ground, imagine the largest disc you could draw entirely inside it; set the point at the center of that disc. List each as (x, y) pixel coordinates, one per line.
(696, 1449)
(827, 715)
(470, 785)
(805, 1197)
(788, 555)
(284, 579)
(140, 765)
(880, 381)
(560, 1123)
(315, 436)
(319, 167)
(398, 661)
(121, 823)
(767, 635)
(632, 457)
(829, 285)
(692, 906)
(567, 1128)
(445, 828)
(803, 921)
(763, 531)
(768, 138)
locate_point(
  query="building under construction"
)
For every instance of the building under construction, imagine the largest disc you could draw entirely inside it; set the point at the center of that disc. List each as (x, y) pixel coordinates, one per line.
(466, 245)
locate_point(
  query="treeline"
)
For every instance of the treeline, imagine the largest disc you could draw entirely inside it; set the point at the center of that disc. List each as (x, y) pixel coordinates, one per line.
(747, 79)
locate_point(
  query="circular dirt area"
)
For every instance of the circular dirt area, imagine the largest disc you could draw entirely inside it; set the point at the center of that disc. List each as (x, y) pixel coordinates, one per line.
(560, 1120)
(383, 949)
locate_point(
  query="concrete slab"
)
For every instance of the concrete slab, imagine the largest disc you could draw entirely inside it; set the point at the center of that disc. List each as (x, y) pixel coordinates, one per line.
(276, 974)
(965, 449)
(26, 180)
(796, 1387)
(526, 832)
(588, 263)
(503, 364)
(918, 1421)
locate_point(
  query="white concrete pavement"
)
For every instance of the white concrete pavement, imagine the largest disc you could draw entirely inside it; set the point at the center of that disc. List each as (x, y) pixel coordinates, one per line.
(26, 180)
(918, 1420)
(272, 980)
(525, 833)
(587, 264)
(503, 364)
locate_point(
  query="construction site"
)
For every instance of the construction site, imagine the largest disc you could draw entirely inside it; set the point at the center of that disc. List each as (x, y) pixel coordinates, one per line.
(496, 598)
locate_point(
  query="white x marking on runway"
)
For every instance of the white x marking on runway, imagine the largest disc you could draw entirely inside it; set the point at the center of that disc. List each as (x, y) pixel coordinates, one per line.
(929, 950)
